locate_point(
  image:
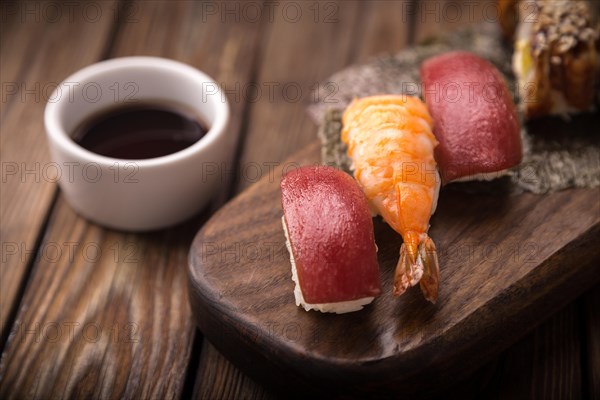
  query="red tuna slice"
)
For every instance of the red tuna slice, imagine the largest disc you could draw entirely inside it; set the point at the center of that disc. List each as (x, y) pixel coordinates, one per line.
(331, 234)
(475, 119)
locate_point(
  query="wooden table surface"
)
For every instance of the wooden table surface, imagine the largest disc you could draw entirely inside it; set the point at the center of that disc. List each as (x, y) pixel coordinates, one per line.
(88, 312)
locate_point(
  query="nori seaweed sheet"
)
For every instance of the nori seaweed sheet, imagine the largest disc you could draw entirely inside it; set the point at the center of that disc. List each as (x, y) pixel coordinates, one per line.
(557, 153)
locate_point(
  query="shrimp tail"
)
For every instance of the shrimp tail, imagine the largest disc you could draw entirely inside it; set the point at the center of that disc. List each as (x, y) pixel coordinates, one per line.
(430, 281)
(418, 264)
(410, 268)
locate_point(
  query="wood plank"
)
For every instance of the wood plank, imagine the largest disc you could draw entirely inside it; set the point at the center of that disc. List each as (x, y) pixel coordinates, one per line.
(127, 309)
(300, 54)
(35, 58)
(557, 371)
(220, 379)
(545, 364)
(591, 346)
(435, 17)
(383, 28)
(106, 310)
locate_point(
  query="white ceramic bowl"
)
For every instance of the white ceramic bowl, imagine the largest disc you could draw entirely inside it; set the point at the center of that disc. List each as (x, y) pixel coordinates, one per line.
(147, 194)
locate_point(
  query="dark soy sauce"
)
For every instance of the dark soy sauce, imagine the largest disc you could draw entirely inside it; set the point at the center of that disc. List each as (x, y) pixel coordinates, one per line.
(140, 130)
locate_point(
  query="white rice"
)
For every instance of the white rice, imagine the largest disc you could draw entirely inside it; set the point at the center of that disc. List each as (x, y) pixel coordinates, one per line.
(484, 176)
(436, 193)
(338, 308)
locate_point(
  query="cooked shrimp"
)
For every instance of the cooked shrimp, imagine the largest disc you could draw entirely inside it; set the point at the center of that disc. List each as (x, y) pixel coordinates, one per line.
(390, 141)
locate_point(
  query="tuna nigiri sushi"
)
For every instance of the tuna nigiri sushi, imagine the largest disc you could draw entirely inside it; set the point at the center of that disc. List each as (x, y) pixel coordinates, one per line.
(475, 119)
(329, 232)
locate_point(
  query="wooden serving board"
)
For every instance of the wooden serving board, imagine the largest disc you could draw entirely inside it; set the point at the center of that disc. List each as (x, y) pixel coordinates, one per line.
(507, 263)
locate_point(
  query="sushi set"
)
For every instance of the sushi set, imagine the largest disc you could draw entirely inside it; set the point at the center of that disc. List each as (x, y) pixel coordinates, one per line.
(306, 281)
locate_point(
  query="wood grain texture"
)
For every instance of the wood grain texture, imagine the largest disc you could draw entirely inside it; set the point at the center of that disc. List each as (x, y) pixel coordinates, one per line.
(133, 297)
(591, 364)
(107, 311)
(502, 272)
(383, 27)
(219, 379)
(544, 364)
(558, 356)
(436, 17)
(297, 54)
(34, 60)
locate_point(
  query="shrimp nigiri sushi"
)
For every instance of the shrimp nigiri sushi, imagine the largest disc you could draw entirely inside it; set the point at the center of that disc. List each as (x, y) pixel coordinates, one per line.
(329, 232)
(391, 144)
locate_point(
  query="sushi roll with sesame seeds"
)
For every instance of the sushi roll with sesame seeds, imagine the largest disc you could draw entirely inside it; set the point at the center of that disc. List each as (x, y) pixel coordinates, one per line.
(556, 57)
